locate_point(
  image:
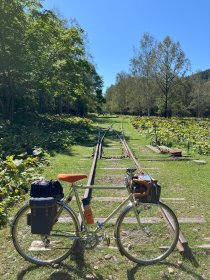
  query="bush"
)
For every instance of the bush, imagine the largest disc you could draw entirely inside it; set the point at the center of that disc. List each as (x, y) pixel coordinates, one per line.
(25, 146)
(17, 171)
(185, 132)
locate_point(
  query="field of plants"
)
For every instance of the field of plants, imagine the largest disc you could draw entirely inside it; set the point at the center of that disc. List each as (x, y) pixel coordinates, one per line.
(25, 147)
(190, 133)
(67, 145)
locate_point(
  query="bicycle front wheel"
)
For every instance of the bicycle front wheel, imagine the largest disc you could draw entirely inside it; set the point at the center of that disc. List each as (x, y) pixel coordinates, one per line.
(45, 249)
(144, 235)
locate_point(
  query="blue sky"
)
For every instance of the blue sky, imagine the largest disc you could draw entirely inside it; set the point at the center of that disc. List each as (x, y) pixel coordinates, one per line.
(114, 27)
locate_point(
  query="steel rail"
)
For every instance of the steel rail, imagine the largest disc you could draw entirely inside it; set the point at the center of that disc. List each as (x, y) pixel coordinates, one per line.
(128, 150)
(88, 191)
(97, 154)
(131, 155)
(182, 244)
(101, 141)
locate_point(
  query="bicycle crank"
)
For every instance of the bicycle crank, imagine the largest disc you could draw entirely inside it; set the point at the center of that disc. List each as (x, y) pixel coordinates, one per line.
(89, 240)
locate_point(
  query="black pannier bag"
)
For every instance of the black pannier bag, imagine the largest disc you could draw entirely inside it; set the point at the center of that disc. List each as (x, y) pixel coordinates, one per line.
(47, 188)
(146, 189)
(43, 212)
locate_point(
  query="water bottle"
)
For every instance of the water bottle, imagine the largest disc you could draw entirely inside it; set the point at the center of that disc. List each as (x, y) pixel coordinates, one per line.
(87, 211)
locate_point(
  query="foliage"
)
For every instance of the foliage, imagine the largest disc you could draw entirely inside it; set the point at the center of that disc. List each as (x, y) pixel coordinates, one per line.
(157, 83)
(202, 75)
(142, 67)
(25, 145)
(16, 172)
(186, 132)
(170, 65)
(44, 63)
(199, 97)
(50, 132)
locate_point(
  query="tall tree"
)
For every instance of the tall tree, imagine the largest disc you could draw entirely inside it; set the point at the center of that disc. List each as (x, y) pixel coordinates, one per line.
(121, 86)
(142, 65)
(170, 66)
(44, 64)
(12, 49)
(200, 97)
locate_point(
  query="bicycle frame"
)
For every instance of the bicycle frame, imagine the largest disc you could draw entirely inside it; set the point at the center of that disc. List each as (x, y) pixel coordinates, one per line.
(100, 225)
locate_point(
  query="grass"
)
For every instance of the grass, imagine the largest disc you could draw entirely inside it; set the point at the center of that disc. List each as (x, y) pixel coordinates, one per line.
(186, 180)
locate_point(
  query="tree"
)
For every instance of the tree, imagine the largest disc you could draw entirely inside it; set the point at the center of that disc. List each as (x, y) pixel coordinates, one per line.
(180, 98)
(141, 66)
(109, 97)
(170, 66)
(44, 64)
(200, 97)
(12, 49)
(116, 95)
(121, 84)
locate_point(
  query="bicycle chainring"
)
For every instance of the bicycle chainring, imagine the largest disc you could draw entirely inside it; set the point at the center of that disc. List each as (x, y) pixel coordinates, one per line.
(89, 240)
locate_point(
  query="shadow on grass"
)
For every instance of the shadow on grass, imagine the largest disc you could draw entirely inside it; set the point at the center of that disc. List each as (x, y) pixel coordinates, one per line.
(188, 255)
(181, 268)
(63, 271)
(51, 133)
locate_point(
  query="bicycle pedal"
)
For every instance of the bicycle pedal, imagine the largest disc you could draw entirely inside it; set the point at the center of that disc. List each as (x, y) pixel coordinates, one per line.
(106, 239)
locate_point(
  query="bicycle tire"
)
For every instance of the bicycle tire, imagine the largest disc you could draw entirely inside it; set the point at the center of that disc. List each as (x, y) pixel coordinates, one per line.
(150, 241)
(50, 249)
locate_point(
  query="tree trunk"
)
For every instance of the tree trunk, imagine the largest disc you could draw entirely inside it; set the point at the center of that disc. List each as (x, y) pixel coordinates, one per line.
(40, 101)
(148, 111)
(60, 107)
(8, 105)
(166, 104)
(9, 99)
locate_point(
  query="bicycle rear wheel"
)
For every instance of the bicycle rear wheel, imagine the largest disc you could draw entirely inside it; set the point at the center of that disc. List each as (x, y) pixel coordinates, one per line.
(45, 249)
(151, 240)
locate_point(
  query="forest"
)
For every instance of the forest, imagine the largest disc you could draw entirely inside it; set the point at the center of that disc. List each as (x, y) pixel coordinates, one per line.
(160, 83)
(45, 66)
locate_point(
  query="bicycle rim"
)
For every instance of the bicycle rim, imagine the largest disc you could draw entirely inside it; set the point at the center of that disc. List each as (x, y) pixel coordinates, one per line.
(40, 249)
(150, 241)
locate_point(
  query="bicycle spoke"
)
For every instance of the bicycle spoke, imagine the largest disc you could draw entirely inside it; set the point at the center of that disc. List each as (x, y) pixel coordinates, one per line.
(149, 242)
(45, 249)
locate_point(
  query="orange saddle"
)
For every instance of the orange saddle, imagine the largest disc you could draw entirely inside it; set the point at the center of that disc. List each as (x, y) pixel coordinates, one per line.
(71, 178)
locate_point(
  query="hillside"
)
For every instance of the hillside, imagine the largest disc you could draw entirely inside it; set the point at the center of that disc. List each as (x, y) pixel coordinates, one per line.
(203, 75)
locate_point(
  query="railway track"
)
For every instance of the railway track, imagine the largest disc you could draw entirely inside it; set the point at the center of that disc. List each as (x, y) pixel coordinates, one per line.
(182, 244)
